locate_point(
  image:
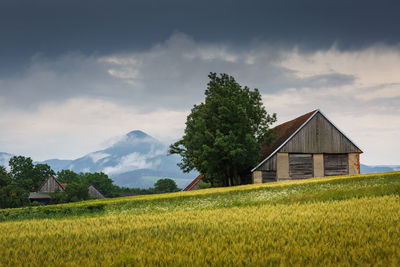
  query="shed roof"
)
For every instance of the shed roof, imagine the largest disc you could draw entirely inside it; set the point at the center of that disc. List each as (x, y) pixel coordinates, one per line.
(283, 131)
(39, 195)
(194, 182)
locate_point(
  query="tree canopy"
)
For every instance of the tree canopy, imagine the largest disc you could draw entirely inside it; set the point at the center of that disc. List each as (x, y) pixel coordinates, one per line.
(165, 185)
(223, 135)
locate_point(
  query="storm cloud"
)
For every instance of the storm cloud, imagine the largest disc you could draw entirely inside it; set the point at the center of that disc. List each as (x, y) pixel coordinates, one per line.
(76, 73)
(103, 27)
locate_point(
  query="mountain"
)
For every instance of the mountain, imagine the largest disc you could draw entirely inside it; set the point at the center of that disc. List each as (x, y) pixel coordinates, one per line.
(378, 168)
(56, 164)
(139, 160)
(135, 160)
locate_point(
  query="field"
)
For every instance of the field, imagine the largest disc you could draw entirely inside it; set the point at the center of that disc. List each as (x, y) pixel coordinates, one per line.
(347, 220)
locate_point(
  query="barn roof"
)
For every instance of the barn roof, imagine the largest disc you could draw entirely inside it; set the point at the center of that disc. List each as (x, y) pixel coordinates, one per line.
(286, 131)
(194, 182)
(39, 195)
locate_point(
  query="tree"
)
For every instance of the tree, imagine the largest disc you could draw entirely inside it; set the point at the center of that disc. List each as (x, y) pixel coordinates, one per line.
(165, 185)
(68, 176)
(27, 175)
(13, 196)
(223, 135)
(101, 182)
(40, 173)
(76, 192)
(22, 171)
(4, 177)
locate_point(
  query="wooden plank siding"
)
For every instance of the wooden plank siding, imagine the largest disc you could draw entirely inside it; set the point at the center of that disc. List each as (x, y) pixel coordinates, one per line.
(269, 165)
(268, 170)
(50, 185)
(319, 136)
(268, 176)
(301, 166)
(336, 164)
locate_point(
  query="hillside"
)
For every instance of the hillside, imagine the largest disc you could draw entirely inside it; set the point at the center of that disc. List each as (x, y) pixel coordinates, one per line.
(135, 160)
(325, 221)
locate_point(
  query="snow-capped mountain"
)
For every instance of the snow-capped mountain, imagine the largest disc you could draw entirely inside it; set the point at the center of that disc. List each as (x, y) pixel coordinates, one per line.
(139, 160)
(136, 160)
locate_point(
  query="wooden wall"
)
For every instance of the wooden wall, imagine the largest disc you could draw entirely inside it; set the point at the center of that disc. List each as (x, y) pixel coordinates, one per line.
(50, 185)
(301, 166)
(94, 192)
(336, 164)
(268, 170)
(319, 136)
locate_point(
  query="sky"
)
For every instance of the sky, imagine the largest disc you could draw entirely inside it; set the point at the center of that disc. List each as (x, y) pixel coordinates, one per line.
(75, 75)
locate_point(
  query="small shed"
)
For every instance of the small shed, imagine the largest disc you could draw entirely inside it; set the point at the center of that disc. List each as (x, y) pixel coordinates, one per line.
(308, 146)
(195, 183)
(93, 192)
(51, 185)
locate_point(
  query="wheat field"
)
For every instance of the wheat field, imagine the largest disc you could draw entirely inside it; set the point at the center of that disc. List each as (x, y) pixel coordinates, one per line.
(345, 232)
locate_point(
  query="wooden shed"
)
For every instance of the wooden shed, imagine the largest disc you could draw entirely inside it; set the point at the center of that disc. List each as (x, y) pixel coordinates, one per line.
(195, 183)
(308, 146)
(51, 185)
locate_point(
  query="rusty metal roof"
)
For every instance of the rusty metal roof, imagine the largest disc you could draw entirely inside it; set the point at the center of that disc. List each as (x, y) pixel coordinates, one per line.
(283, 131)
(194, 182)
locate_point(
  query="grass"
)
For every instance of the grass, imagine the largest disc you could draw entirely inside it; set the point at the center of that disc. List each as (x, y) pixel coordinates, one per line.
(336, 221)
(299, 191)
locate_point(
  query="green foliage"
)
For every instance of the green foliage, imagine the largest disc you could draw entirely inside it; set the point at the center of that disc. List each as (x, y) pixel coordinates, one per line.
(22, 172)
(224, 134)
(286, 193)
(4, 177)
(40, 173)
(204, 185)
(165, 186)
(68, 176)
(27, 175)
(58, 197)
(76, 192)
(101, 182)
(13, 196)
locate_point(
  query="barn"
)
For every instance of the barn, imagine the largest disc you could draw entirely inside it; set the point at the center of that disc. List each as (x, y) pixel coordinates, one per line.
(308, 146)
(51, 185)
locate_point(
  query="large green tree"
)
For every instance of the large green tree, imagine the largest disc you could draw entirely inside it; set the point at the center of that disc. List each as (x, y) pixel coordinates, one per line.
(28, 175)
(4, 177)
(165, 185)
(68, 176)
(223, 135)
(101, 182)
(13, 196)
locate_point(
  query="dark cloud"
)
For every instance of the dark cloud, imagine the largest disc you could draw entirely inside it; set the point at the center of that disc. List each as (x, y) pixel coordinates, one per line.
(172, 75)
(103, 27)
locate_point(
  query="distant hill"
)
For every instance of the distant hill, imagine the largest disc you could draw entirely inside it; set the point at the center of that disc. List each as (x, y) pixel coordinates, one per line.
(378, 168)
(139, 160)
(136, 160)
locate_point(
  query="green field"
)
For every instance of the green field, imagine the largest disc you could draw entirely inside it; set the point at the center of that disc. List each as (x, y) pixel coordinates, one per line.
(347, 220)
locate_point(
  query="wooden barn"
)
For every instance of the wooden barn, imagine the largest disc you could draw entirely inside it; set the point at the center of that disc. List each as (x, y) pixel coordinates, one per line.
(308, 146)
(51, 185)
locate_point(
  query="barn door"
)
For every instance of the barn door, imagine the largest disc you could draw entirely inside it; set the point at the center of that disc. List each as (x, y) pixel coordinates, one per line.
(300, 165)
(336, 164)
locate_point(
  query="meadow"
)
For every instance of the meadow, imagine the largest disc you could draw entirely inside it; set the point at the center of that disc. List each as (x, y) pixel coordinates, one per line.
(346, 221)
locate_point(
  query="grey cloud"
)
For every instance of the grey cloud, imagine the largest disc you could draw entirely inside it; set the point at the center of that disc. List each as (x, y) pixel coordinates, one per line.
(172, 74)
(104, 27)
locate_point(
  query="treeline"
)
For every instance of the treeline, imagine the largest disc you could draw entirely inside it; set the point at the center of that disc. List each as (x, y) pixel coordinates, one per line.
(25, 176)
